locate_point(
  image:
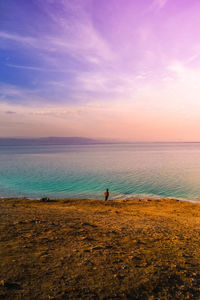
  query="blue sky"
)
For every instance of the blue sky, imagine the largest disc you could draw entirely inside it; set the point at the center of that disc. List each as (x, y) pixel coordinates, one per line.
(115, 69)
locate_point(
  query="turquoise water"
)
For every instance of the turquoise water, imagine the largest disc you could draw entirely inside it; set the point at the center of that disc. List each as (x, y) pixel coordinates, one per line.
(131, 170)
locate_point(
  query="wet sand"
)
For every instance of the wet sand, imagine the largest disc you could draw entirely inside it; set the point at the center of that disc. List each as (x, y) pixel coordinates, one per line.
(92, 249)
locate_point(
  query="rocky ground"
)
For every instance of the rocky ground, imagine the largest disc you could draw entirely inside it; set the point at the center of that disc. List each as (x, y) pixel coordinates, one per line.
(89, 249)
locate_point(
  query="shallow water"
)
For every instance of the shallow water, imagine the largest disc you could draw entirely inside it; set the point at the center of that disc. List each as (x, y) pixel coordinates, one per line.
(128, 170)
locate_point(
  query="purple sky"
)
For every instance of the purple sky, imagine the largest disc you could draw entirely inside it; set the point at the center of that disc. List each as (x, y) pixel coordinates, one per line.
(124, 69)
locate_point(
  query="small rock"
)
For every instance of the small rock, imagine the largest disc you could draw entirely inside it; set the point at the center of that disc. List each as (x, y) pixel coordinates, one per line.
(136, 258)
(2, 282)
(44, 253)
(21, 222)
(45, 199)
(34, 221)
(88, 262)
(108, 247)
(88, 224)
(120, 276)
(89, 239)
(97, 248)
(10, 285)
(124, 267)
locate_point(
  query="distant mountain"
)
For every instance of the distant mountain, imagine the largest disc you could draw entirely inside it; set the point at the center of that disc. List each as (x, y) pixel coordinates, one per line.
(51, 141)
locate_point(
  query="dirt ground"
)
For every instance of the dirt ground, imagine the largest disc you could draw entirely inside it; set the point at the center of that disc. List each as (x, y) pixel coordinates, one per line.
(90, 249)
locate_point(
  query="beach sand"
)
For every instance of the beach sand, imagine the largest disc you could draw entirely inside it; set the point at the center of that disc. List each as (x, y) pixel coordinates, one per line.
(91, 249)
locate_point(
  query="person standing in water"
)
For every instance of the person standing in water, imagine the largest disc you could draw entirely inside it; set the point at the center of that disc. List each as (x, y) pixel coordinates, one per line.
(106, 193)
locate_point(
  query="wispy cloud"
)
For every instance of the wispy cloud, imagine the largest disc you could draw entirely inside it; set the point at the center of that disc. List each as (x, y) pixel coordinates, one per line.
(77, 38)
(40, 69)
(18, 95)
(32, 68)
(187, 77)
(156, 6)
(78, 35)
(9, 112)
(193, 58)
(159, 3)
(26, 40)
(71, 53)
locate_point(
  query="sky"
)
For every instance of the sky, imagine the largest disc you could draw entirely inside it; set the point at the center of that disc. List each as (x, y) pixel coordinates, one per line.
(117, 69)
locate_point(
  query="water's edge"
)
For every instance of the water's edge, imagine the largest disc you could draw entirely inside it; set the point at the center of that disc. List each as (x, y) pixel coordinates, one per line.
(142, 197)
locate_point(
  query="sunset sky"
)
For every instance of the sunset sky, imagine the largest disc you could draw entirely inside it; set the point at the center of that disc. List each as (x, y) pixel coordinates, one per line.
(120, 69)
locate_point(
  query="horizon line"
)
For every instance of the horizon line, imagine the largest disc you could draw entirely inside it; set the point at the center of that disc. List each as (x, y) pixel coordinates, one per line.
(99, 139)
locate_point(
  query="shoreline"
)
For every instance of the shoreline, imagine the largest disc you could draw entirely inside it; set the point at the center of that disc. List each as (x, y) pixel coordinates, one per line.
(95, 199)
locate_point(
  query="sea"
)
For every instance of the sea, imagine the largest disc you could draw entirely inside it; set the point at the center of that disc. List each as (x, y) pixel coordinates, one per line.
(139, 170)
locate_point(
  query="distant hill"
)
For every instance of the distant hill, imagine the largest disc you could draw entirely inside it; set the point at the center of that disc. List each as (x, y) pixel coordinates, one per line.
(51, 141)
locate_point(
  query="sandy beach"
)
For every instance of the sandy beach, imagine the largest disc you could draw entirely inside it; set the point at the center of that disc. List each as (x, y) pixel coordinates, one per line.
(90, 249)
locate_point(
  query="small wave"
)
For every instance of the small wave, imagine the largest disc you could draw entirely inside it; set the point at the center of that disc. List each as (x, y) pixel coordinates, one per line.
(122, 196)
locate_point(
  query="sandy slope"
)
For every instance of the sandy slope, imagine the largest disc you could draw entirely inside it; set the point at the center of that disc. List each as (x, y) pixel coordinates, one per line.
(89, 249)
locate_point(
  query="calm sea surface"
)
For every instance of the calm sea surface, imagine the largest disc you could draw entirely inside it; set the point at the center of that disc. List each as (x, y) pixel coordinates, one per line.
(132, 170)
